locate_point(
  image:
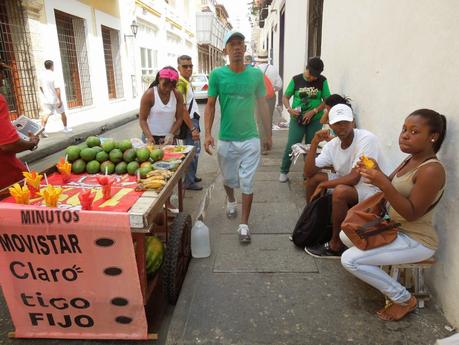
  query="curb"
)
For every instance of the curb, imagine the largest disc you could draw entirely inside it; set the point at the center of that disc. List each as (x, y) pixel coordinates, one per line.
(61, 141)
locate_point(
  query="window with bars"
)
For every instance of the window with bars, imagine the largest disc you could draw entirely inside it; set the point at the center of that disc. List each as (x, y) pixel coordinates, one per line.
(74, 56)
(110, 39)
(19, 84)
(148, 59)
(149, 66)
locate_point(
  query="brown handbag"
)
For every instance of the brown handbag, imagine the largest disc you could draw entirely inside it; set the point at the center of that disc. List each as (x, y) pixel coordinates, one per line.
(367, 226)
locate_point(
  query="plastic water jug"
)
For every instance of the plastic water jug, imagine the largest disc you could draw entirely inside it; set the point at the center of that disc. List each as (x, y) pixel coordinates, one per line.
(200, 240)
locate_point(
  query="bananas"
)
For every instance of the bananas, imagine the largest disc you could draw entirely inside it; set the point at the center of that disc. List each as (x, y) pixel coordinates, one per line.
(164, 173)
(156, 179)
(152, 184)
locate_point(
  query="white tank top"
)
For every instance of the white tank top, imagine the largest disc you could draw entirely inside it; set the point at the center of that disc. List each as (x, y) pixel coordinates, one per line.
(162, 116)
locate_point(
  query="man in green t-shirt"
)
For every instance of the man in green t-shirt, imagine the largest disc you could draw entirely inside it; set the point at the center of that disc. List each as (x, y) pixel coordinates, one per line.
(309, 90)
(239, 88)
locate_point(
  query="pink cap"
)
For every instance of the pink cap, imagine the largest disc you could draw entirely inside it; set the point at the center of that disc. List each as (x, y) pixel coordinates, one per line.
(167, 73)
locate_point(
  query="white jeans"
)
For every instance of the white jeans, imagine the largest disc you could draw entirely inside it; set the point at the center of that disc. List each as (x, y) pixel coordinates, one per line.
(364, 264)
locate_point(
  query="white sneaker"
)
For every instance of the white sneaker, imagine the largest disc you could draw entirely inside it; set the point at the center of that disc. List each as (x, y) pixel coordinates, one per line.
(283, 178)
(244, 233)
(44, 134)
(67, 129)
(231, 209)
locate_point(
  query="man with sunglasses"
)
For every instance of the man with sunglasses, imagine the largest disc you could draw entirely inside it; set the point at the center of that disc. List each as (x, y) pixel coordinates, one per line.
(191, 119)
(239, 89)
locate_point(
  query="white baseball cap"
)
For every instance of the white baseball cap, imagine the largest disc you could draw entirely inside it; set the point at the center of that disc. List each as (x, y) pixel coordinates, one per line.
(340, 112)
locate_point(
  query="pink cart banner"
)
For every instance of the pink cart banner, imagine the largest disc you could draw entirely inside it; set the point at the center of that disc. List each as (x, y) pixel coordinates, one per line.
(70, 274)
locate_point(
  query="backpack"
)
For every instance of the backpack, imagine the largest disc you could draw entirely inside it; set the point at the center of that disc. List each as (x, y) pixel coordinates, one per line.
(270, 93)
(314, 225)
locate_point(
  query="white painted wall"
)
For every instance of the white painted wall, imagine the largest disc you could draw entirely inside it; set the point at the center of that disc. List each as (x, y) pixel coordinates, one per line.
(296, 33)
(392, 57)
(169, 40)
(102, 107)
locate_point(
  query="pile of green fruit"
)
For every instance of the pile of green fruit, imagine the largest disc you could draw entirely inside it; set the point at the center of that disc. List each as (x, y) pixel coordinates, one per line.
(110, 157)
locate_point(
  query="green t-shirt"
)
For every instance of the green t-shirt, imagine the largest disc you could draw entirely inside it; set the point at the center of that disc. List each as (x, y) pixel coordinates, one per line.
(317, 91)
(237, 93)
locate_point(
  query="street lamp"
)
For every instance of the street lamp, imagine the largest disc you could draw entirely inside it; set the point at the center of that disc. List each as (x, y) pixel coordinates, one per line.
(134, 28)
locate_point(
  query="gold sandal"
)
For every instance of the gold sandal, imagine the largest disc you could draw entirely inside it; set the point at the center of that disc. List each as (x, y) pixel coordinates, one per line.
(397, 311)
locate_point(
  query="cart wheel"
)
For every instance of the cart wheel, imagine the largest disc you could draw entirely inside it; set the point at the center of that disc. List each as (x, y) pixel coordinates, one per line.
(178, 255)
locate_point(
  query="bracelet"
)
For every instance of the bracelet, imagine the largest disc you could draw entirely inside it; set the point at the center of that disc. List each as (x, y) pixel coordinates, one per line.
(316, 111)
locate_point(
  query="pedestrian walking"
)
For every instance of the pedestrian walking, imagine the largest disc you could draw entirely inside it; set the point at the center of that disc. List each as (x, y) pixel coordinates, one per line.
(190, 118)
(161, 107)
(309, 90)
(238, 88)
(274, 78)
(51, 93)
(248, 60)
(11, 143)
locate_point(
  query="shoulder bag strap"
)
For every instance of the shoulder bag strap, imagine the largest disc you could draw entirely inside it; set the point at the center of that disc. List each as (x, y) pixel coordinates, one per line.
(189, 108)
(266, 69)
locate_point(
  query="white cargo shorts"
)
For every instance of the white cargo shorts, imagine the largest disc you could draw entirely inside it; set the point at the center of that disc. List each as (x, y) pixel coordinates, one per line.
(52, 109)
(238, 161)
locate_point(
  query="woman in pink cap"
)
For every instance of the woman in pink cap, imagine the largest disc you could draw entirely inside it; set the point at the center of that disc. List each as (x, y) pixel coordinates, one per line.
(161, 108)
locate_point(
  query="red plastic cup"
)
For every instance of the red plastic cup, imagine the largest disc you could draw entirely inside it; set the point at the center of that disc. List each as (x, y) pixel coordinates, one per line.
(86, 198)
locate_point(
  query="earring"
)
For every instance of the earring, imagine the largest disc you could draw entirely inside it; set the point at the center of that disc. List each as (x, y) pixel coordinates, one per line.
(433, 140)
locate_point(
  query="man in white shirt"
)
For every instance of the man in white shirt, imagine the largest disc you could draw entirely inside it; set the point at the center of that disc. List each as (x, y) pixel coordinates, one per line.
(273, 75)
(52, 102)
(341, 153)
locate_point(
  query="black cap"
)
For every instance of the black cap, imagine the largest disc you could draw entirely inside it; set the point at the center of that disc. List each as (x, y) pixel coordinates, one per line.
(315, 66)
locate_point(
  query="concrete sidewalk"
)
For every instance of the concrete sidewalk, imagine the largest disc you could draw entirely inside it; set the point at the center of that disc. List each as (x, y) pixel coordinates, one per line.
(59, 140)
(270, 292)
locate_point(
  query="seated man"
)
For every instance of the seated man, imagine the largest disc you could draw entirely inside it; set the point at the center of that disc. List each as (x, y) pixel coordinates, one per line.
(340, 153)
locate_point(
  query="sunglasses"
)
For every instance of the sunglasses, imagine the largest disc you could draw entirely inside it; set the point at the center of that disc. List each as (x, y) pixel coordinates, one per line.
(169, 82)
(187, 66)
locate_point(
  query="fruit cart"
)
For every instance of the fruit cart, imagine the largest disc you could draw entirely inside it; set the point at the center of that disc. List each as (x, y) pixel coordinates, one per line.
(148, 215)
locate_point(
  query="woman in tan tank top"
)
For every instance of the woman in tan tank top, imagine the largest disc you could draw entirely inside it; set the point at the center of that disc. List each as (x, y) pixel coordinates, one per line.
(412, 191)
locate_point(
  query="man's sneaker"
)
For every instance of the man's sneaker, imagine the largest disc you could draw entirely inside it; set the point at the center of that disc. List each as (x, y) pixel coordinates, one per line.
(197, 179)
(67, 129)
(244, 233)
(283, 178)
(194, 186)
(231, 209)
(44, 134)
(323, 251)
